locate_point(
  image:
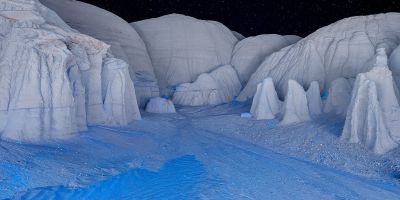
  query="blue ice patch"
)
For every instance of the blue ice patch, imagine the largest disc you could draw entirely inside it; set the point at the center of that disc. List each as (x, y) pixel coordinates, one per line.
(245, 115)
(180, 178)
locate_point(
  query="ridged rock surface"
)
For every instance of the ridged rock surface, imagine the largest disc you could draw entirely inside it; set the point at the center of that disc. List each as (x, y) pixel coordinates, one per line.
(342, 49)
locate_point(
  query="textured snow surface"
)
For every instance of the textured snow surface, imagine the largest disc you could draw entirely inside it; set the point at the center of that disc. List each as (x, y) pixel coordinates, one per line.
(182, 47)
(250, 52)
(160, 105)
(191, 155)
(266, 103)
(295, 107)
(373, 114)
(342, 49)
(53, 80)
(217, 87)
(125, 42)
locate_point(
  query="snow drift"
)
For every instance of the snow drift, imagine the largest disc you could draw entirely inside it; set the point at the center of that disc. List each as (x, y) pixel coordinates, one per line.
(219, 86)
(160, 105)
(182, 48)
(250, 52)
(342, 49)
(295, 108)
(373, 114)
(266, 103)
(53, 80)
(125, 42)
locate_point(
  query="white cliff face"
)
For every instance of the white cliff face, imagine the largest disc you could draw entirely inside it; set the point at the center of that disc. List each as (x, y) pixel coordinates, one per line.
(295, 108)
(249, 53)
(373, 115)
(160, 105)
(217, 87)
(181, 48)
(53, 80)
(342, 49)
(125, 42)
(266, 103)
(314, 99)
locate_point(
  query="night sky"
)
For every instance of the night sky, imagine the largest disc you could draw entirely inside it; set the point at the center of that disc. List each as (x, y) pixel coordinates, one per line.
(253, 17)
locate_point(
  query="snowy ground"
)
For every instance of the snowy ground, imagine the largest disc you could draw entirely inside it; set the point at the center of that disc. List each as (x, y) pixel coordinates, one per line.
(201, 153)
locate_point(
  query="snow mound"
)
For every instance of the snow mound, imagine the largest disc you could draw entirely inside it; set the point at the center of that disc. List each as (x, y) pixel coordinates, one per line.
(338, 97)
(250, 52)
(266, 103)
(314, 99)
(182, 48)
(53, 80)
(125, 42)
(343, 49)
(373, 114)
(295, 108)
(160, 105)
(219, 86)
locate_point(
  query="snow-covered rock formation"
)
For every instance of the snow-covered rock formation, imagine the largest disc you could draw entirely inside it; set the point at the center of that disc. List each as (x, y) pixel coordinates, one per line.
(339, 95)
(295, 107)
(238, 35)
(182, 48)
(266, 103)
(314, 99)
(125, 42)
(374, 113)
(250, 52)
(53, 80)
(216, 87)
(160, 105)
(342, 49)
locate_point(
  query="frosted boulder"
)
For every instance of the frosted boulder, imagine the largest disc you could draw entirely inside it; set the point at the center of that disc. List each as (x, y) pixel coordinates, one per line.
(160, 105)
(182, 48)
(342, 49)
(338, 97)
(266, 103)
(125, 42)
(219, 86)
(53, 80)
(250, 52)
(314, 99)
(295, 108)
(373, 115)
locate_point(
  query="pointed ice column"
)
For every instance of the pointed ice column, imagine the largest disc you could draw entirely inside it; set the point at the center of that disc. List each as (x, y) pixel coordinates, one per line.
(120, 104)
(339, 97)
(314, 99)
(295, 108)
(266, 103)
(160, 105)
(373, 115)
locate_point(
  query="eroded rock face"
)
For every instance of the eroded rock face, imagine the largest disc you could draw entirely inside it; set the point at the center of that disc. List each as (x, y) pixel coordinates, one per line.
(217, 87)
(160, 105)
(53, 80)
(373, 115)
(181, 48)
(342, 49)
(249, 53)
(125, 42)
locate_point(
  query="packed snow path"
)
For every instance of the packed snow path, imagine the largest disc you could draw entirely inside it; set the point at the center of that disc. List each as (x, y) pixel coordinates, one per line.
(174, 156)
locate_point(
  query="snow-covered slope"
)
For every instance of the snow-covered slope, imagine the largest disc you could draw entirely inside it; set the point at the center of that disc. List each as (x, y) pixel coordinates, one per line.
(342, 49)
(217, 87)
(53, 80)
(250, 52)
(125, 42)
(182, 48)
